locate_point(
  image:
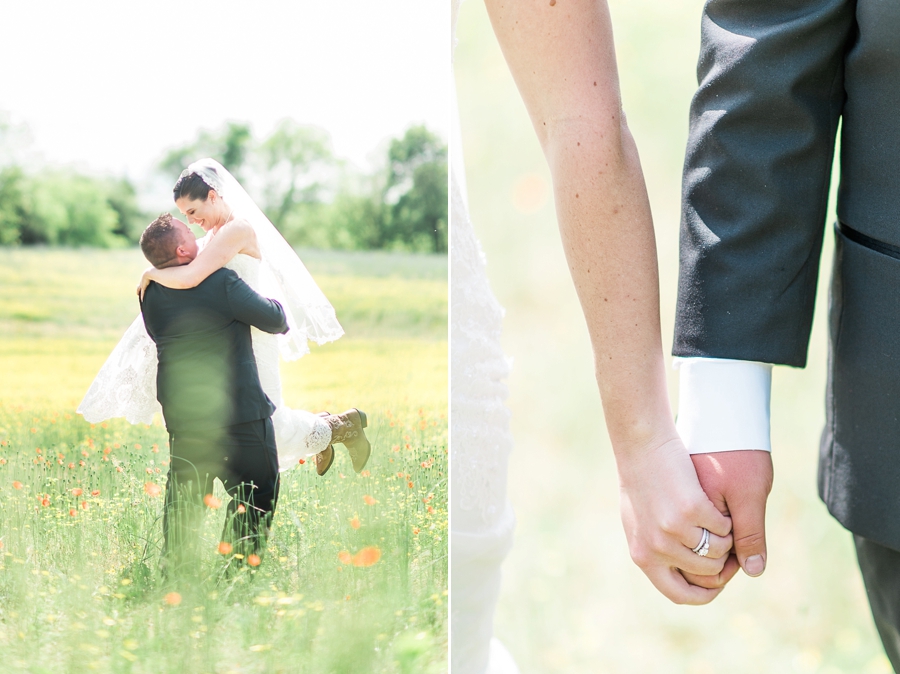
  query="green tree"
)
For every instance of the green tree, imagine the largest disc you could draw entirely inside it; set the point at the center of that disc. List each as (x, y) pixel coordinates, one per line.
(416, 192)
(13, 214)
(121, 196)
(299, 166)
(69, 209)
(231, 147)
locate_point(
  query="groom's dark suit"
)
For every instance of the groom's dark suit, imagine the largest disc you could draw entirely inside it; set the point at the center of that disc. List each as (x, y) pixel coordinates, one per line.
(215, 410)
(776, 79)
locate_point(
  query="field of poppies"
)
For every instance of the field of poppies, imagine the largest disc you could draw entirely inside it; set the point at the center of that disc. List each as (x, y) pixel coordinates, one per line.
(355, 574)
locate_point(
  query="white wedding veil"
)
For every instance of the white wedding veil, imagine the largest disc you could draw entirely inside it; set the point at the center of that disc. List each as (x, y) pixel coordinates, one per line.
(283, 277)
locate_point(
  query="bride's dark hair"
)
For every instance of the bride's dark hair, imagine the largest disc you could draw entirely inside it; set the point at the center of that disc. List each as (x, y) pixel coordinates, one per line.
(191, 186)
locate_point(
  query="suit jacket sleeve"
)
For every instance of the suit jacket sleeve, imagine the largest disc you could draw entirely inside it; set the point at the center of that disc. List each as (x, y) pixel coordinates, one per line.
(756, 178)
(252, 308)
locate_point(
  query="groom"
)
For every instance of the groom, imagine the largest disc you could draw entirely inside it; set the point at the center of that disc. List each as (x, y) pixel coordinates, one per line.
(776, 78)
(217, 415)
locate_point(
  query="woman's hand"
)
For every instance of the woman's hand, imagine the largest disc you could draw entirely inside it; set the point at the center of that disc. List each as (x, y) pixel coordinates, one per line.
(146, 277)
(664, 512)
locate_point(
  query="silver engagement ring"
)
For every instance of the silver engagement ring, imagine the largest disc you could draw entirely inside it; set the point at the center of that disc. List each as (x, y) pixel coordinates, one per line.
(702, 548)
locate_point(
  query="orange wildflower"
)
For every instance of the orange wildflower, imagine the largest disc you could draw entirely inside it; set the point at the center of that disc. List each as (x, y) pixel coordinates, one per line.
(78, 491)
(151, 488)
(137, 445)
(211, 501)
(409, 484)
(45, 501)
(302, 461)
(224, 548)
(368, 500)
(416, 531)
(240, 509)
(84, 505)
(17, 485)
(72, 512)
(355, 523)
(365, 473)
(368, 556)
(172, 599)
(95, 492)
(344, 557)
(253, 560)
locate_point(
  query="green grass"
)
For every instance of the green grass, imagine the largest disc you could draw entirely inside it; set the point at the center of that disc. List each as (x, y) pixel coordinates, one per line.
(78, 584)
(572, 600)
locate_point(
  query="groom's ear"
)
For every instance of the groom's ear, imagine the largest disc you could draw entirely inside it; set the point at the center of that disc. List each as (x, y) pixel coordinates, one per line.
(182, 252)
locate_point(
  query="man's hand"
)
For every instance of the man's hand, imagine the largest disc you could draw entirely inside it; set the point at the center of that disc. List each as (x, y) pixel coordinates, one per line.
(738, 483)
(664, 510)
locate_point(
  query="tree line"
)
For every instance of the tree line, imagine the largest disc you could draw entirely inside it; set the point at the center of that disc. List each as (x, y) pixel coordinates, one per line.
(313, 197)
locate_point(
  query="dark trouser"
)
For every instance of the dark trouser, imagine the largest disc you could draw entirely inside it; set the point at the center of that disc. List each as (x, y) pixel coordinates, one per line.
(245, 459)
(880, 568)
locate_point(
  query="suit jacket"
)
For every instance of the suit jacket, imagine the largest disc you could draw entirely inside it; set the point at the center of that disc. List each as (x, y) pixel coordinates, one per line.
(777, 79)
(207, 376)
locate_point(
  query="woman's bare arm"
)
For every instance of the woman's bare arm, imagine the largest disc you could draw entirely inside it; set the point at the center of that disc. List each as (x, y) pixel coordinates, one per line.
(236, 237)
(562, 57)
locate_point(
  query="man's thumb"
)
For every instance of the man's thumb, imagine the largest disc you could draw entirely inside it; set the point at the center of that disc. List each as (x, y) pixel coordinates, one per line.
(749, 521)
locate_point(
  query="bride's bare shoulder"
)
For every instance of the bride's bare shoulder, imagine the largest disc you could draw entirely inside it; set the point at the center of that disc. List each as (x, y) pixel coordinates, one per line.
(241, 230)
(241, 225)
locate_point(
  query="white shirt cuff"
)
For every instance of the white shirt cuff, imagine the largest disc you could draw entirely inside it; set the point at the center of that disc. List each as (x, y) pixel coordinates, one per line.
(723, 405)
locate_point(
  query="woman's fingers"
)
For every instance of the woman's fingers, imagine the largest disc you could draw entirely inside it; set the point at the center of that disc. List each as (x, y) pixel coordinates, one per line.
(717, 581)
(665, 512)
(675, 587)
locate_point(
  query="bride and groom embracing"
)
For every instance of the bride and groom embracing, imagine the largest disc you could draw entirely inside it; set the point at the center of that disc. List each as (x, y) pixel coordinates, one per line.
(215, 315)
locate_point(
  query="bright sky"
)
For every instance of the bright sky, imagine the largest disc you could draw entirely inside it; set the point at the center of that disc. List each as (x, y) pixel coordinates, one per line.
(110, 85)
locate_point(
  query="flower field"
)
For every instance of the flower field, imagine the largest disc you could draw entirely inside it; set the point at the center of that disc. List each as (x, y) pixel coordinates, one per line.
(354, 577)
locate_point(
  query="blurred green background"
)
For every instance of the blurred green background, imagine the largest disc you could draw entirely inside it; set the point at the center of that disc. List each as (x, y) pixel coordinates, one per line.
(572, 600)
(312, 196)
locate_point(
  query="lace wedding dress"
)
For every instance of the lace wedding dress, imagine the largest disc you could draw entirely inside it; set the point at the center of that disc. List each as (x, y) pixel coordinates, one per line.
(126, 384)
(481, 520)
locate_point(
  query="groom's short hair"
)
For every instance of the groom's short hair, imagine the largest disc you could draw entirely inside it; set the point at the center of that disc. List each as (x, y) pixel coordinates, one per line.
(159, 241)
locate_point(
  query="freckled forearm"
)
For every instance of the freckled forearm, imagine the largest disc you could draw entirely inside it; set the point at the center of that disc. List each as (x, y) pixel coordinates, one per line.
(562, 58)
(607, 233)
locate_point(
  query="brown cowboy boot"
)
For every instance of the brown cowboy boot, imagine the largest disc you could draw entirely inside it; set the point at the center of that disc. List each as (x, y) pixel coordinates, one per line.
(325, 458)
(347, 428)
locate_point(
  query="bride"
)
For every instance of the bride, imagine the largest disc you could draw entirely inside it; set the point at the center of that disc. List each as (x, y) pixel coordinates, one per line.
(240, 237)
(562, 58)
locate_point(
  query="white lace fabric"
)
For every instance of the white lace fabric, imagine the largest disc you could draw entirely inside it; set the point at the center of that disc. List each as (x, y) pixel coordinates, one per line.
(126, 384)
(480, 418)
(481, 519)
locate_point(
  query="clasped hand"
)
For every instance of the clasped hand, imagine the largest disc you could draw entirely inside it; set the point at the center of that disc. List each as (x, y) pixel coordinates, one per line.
(144, 282)
(669, 497)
